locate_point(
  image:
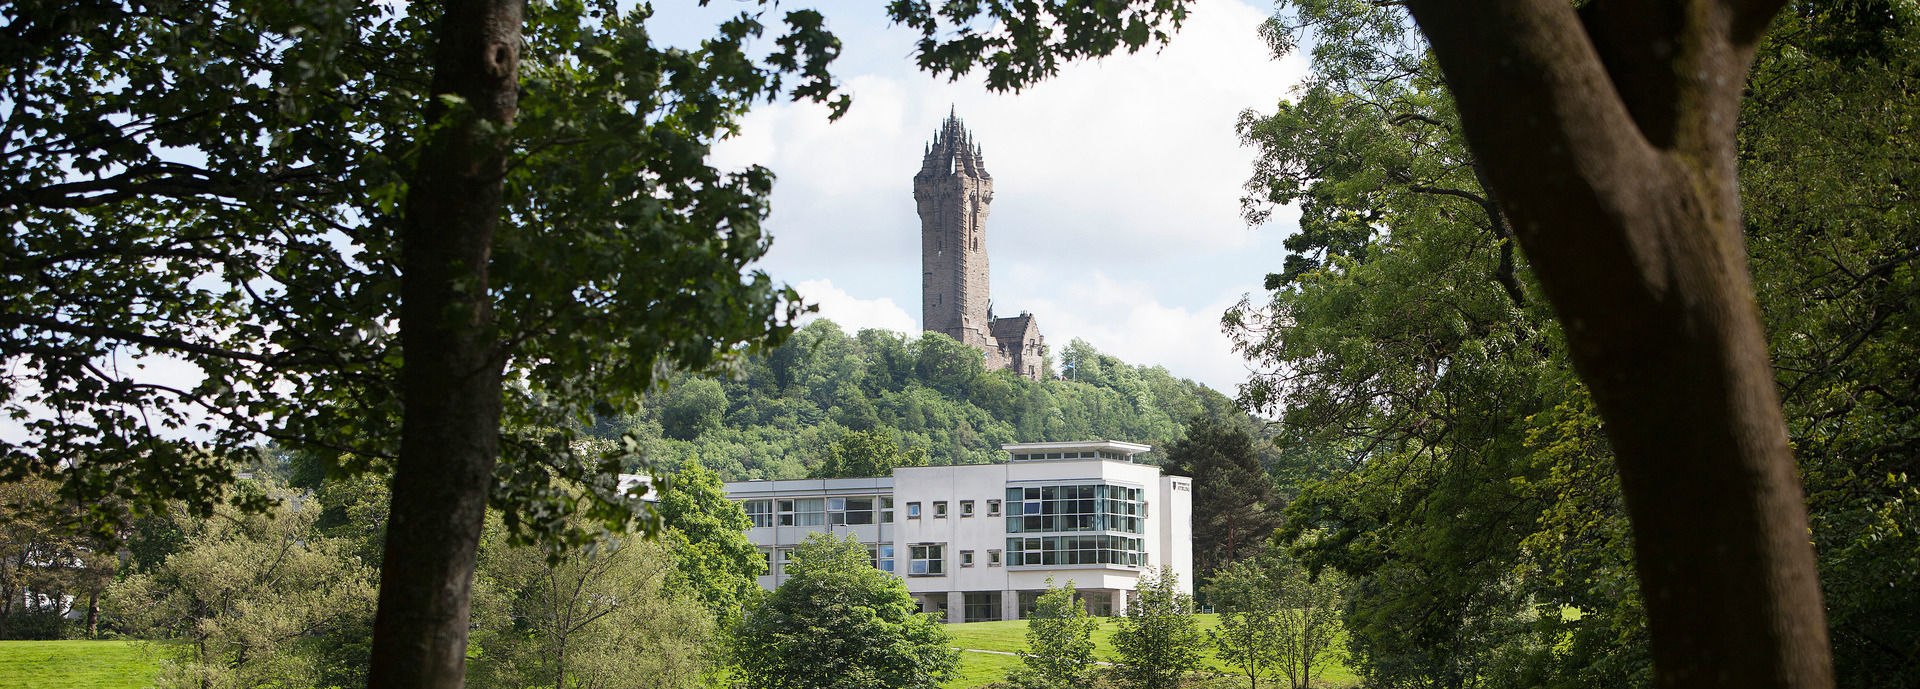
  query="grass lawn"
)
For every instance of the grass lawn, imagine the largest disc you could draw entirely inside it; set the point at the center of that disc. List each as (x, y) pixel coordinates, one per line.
(75, 665)
(978, 669)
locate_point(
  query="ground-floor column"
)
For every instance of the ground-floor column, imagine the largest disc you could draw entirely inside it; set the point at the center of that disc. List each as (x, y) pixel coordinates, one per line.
(1009, 605)
(1120, 597)
(956, 607)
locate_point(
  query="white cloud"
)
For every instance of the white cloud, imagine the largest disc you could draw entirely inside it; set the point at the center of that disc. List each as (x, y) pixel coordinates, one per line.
(1129, 159)
(1127, 169)
(1124, 319)
(854, 314)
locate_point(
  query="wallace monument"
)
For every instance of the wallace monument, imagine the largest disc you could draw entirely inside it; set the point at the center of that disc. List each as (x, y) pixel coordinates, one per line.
(954, 191)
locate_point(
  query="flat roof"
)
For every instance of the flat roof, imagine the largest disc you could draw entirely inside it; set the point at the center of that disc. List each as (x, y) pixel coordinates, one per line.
(1115, 445)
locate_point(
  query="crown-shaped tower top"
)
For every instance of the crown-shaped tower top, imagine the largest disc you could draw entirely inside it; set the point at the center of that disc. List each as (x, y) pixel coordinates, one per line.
(953, 152)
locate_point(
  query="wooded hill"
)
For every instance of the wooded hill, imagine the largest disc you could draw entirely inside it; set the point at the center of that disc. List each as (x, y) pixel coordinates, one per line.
(778, 414)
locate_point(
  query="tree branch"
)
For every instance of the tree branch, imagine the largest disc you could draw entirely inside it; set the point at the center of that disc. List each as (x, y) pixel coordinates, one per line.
(129, 336)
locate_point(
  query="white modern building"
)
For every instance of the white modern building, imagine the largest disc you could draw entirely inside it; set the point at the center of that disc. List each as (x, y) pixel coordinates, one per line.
(978, 541)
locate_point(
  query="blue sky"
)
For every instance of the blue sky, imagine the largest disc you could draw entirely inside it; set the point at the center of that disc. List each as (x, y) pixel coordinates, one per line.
(1116, 184)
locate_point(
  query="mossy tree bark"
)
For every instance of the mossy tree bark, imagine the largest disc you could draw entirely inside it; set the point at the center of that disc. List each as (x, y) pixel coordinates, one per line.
(1608, 135)
(452, 376)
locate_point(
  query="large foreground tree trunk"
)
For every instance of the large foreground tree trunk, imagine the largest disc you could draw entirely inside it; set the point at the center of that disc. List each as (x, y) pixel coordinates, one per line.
(1608, 135)
(452, 375)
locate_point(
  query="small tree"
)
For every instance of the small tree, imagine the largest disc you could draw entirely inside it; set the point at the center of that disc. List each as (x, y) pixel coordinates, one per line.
(1277, 614)
(609, 616)
(1059, 641)
(248, 600)
(1252, 636)
(1310, 606)
(1158, 640)
(838, 623)
(712, 555)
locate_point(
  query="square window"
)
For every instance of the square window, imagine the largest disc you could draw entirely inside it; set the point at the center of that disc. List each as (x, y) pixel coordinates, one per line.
(966, 508)
(759, 512)
(966, 558)
(993, 508)
(927, 560)
(993, 558)
(913, 510)
(939, 509)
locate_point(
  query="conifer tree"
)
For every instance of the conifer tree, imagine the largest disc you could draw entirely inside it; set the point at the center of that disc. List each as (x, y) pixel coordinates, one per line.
(1234, 508)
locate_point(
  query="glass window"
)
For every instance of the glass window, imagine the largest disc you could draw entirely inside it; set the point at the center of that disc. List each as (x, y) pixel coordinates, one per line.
(927, 560)
(786, 512)
(966, 558)
(850, 510)
(1075, 508)
(810, 512)
(760, 512)
(1075, 550)
(993, 558)
(885, 559)
(886, 509)
(913, 510)
(966, 508)
(939, 508)
(993, 508)
(766, 562)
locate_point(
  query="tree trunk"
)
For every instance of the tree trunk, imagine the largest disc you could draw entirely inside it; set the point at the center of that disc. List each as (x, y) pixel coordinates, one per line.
(451, 380)
(93, 613)
(1608, 135)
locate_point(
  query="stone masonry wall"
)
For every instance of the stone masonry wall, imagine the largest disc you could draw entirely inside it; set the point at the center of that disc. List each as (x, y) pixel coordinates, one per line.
(954, 194)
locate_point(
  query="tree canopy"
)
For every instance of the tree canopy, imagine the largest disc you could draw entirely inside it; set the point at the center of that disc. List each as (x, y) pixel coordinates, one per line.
(885, 397)
(839, 623)
(1478, 502)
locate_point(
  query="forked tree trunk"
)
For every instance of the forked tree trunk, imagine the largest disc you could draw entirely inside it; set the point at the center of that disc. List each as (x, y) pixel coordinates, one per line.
(452, 375)
(1609, 137)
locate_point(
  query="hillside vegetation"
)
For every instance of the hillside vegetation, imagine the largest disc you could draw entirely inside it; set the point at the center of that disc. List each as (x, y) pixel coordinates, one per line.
(779, 412)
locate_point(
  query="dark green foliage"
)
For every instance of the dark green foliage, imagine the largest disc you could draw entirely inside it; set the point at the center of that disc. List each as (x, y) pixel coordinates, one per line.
(1234, 507)
(707, 532)
(692, 408)
(220, 183)
(45, 625)
(1475, 498)
(838, 623)
(1416, 368)
(1830, 157)
(1020, 43)
(928, 399)
(866, 453)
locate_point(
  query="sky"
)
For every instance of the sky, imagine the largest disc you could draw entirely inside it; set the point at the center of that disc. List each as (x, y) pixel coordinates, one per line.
(1117, 184)
(1116, 212)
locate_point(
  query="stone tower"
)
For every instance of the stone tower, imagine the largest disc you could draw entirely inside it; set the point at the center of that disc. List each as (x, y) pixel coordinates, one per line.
(954, 193)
